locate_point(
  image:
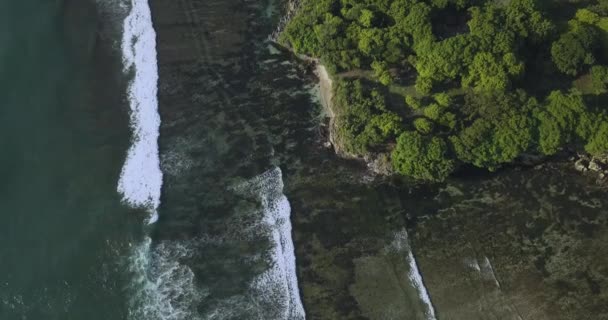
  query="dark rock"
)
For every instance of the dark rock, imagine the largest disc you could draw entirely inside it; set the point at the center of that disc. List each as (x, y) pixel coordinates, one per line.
(580, 165)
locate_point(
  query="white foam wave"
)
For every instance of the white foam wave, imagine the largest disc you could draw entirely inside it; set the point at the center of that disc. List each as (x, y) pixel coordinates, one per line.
(401, 243)
(277, 287)
(141, 178)
(162, 288)
(487, 270)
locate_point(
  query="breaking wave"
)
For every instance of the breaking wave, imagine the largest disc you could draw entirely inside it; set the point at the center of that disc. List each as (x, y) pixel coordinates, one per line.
(141, 178)
(278, 286)
(401, 243)
(162, 286)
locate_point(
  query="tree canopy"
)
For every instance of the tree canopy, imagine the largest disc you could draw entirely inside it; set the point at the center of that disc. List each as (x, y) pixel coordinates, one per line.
(482, 82)
(422, 158)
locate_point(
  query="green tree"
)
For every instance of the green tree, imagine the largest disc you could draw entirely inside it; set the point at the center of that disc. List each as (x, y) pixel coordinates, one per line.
(524, 18)
(444, 60)
(598, 144)
(423, 125)
(599, 78)
(371, 42)
(575, 49)
(588, 124)
(443, 99)
(550, 135)
(565, 108)
(433, 111)
(366, 18)
(488, 73)
(378, 129)
(490, 143)
(587, 16)
(487, 25)
(382, 73)
(424, 85)
(418, 22)
(558, 119)
(422, 158)
(449, 120)
(413, 102)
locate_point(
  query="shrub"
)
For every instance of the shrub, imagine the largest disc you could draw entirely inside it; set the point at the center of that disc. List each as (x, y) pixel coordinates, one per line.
(433, 111)
(598, 144)
(575, 49)
(599, 78)
(413, 102)
(424, 85)
(443, 99)
(422, 158)
(423, 125)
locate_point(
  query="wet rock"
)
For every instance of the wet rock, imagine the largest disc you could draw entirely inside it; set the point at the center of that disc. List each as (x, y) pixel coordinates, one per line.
(580, 165)
(380, 164)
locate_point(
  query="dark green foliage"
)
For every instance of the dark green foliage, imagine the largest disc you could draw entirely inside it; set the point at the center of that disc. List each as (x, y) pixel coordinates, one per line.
(598, 144)
(443, 99)
(550, 135)
(422, 158)
(424, 85)
(488, 143)
(433, 111)
(382, 73)
(489, 73)
(565, 108)
(364, 119)
(423, 125)
(564, 118)
(379, 128)
(444, 60)
(413, 102)
(599, 78)
(495, 88)
(448, 120)
(575, 49)
(524, 18)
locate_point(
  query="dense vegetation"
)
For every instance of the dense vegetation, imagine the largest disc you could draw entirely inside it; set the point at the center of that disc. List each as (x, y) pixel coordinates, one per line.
(438, 83)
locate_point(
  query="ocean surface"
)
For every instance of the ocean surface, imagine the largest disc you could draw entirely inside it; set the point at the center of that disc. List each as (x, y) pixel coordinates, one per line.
(64, 133)
(163, 160)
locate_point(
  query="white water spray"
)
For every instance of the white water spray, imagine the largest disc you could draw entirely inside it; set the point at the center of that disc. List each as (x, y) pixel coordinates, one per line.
(401, 243)
(141, 178)
(162, 287)
(278, 286)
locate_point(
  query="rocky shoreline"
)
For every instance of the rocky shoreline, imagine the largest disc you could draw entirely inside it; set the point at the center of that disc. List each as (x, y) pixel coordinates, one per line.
(378, 164)
(596, 166)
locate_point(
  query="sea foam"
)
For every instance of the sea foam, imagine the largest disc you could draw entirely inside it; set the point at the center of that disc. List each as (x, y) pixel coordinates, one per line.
(277, 287)
(141, 178)
(401, 243)
(162, 287)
